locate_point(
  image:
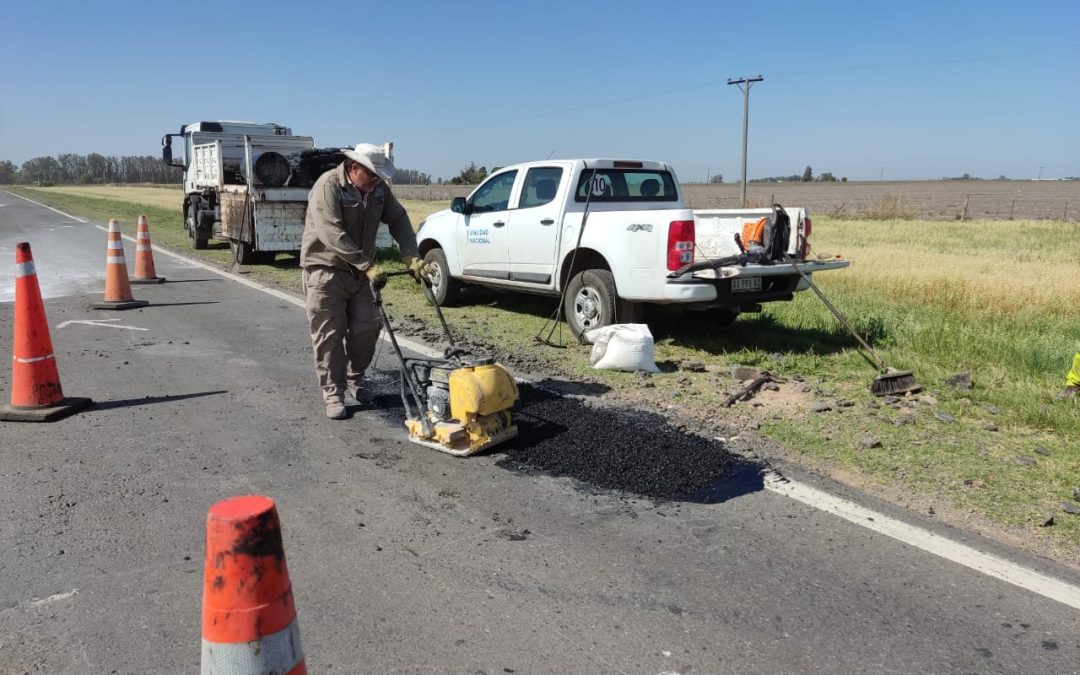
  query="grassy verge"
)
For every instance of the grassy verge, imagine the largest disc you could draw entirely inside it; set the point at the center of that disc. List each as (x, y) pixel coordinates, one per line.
(997, 300)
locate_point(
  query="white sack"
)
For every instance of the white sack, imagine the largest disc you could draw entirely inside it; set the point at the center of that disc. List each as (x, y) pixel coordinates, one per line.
(622, 346)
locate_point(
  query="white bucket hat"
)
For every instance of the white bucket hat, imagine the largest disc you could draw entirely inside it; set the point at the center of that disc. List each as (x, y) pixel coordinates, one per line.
(372, 157)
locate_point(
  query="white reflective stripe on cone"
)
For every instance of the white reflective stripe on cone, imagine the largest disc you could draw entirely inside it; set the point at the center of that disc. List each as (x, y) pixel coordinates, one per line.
(24, 269)
(279, 652)
(35, 359)
(116, 243)
(142, 247)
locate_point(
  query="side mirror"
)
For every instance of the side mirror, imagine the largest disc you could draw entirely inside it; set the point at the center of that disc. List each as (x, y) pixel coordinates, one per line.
(459, 205)
(166, 154)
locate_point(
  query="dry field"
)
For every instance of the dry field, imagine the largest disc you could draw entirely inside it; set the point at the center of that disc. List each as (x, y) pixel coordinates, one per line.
(915, 200)
(920, 200)
(169, 198)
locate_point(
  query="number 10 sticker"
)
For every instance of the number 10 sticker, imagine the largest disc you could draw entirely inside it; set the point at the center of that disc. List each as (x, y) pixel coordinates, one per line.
(600, 186)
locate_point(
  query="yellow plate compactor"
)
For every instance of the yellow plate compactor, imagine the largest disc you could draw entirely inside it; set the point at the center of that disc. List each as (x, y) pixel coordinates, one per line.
(460, 404)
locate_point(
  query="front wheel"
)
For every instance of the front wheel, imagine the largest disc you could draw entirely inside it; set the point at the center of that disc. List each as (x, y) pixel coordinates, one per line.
(444, 287)
(590, 301)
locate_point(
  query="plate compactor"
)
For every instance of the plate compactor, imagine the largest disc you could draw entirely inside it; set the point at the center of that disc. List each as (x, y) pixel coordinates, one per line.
(462, 401)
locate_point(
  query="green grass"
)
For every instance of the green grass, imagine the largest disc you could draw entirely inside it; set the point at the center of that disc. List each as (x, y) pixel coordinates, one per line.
(999, 300)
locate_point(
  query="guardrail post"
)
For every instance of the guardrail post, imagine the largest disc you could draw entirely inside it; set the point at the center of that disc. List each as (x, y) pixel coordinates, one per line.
(963, 216)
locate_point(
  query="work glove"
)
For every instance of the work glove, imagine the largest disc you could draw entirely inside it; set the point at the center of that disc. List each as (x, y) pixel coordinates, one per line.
(376, 276)
(417, 268)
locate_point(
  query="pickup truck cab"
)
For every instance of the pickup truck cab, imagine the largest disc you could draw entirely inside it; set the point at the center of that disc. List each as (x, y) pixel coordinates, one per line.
(607, 235)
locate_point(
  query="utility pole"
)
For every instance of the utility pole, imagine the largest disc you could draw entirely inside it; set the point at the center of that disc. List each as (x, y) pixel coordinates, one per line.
(1040, 173)
(744, 85)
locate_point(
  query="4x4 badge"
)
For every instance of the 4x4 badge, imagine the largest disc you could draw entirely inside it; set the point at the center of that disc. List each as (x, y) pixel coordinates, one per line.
(639, 227)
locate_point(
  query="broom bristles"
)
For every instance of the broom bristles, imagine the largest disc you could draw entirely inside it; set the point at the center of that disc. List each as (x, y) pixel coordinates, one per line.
(892, 383)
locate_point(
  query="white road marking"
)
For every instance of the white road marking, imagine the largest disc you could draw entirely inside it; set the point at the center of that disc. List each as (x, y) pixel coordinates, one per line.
(990, 565)
(46, 206)
(54, 598)
(101, 323)
(986, 563)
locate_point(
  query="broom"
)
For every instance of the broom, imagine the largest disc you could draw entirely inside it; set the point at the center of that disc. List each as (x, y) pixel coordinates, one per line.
(890, 381)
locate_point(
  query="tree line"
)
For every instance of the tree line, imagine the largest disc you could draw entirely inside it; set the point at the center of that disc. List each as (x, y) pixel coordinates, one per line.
(67, 169)
(806, 177)
(71, 169)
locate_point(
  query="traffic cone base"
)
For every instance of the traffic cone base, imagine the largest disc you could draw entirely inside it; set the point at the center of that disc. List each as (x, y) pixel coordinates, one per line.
(155, 280)
(44, 413)
(122, 304)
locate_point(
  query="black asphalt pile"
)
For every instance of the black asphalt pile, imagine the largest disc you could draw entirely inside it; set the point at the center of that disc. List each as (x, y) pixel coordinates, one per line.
(626, 450)
(629, 451)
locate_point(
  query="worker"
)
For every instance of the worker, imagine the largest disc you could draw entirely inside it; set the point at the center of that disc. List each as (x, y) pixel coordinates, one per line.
(1072, 379)
(345, 207)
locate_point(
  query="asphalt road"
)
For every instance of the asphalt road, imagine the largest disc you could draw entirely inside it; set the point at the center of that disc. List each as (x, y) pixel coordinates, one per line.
(406, 560)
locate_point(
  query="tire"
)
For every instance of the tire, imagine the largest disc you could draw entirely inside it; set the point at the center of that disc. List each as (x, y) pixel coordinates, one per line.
(444, 287)
(243, 252)
(190, 224)
(722, 316)
(590, 301)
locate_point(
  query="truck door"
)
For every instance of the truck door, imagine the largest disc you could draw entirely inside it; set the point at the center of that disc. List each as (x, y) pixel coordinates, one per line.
(534, 227)
(481, 237)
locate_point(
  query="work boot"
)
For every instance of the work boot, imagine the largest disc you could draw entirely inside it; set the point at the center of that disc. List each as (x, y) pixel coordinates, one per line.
(360, 397)
(335, 410)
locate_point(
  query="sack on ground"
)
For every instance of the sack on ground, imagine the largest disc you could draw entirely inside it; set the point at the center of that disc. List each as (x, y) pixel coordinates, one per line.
(622, 346)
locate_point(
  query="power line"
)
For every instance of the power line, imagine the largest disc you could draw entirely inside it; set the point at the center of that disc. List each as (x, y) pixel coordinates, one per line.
(986, 56)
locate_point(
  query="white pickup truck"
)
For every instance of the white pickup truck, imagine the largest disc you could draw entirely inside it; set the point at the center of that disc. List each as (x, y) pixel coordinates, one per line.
(612, 235)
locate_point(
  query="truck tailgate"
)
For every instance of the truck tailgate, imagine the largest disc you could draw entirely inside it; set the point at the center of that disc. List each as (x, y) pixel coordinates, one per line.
(776, 269)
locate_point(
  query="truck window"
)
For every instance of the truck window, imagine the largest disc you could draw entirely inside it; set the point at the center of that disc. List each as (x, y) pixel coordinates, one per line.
(541, 184)
(626, 185)
(494, 195)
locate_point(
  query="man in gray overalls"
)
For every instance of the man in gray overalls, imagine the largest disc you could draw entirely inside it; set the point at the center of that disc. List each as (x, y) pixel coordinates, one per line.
(345, 207)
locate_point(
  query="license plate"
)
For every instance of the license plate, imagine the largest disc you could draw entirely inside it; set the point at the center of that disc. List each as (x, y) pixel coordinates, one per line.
(745, 284)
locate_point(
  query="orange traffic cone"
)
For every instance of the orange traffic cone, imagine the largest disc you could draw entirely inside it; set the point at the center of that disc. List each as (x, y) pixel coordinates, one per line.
(36, 395)
(144, 257)
(249, 620)
(117, 286)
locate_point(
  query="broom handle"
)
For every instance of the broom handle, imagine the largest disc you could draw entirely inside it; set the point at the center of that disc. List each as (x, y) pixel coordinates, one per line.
(876, 362)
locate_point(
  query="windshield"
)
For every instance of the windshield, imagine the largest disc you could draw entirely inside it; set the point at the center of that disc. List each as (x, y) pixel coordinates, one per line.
(625, 185)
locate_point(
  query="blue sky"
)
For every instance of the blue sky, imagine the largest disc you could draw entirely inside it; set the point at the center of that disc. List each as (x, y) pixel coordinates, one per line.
(906, 90)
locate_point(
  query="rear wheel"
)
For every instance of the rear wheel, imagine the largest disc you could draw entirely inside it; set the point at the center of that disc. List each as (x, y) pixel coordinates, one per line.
(444, 287)
(590, 301)
(191, 223)
(245, 254)
(722, 316)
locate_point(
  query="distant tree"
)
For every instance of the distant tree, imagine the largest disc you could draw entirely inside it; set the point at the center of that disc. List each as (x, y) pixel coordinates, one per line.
(411, 177)
(844, 179)
(470, 175)
(826, 177)
(718, 178)
(1002, 177)
(807, 175)
(8, 172)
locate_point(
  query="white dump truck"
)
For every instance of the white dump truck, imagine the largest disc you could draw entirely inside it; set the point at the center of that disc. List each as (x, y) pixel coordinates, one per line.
(611, 235)
(247, 183)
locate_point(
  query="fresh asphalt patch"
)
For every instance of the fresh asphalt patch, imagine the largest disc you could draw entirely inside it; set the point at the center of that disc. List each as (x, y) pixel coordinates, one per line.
(619, 450)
